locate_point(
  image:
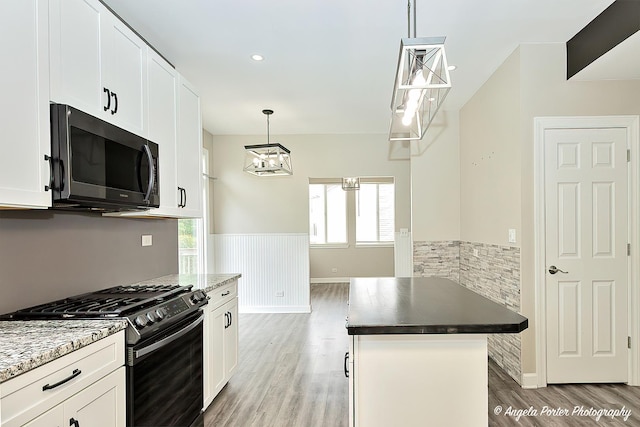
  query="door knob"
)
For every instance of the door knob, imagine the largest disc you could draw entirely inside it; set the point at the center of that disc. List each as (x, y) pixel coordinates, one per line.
(553, 270)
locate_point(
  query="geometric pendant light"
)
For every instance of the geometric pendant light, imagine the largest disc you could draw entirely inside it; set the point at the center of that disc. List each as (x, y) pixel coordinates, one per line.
(270, 159)
(421, 84)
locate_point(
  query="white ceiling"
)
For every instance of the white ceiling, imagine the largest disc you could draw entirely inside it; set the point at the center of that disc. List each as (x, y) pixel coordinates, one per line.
(329, 64)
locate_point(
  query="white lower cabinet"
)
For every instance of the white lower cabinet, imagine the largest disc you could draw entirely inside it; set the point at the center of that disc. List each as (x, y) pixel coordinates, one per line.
(99, 405)
(81, 389)
(220, 340)
(52, 418)
(442, 378)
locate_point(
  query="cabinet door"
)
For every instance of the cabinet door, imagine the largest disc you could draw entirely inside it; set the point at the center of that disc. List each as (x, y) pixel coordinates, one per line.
(102, 404)
(214, 372)
(98, 64)
(189, 148)
(163, 97)
(24, 116)
(52, 418)
(124, 68)
(76, 71)
(231, 339)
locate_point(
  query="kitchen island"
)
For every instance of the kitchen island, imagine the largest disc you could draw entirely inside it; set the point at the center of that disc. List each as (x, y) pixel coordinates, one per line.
(418, 351)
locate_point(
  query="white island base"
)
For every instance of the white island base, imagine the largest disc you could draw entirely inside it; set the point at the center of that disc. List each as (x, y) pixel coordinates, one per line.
(418, 380)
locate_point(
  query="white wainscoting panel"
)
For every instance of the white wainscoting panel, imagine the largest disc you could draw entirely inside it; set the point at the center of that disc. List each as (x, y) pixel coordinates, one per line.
(274, 268)
(403, 254)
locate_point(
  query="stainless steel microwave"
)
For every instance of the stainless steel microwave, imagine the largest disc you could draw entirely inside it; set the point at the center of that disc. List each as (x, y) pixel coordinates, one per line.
(96, 165)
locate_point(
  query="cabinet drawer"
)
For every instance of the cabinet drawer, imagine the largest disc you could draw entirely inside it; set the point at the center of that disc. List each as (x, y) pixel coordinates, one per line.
(23, 397)
(222, 295)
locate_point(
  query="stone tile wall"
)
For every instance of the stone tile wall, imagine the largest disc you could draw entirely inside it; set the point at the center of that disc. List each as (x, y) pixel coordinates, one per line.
(489, 270)
(437, 259)
(494, 272)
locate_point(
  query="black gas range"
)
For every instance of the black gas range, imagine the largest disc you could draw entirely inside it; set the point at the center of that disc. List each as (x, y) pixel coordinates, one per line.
(164, 343)
(148, 308)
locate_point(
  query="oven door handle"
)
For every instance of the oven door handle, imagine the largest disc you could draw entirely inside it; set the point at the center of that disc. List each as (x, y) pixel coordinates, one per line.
(159, 344)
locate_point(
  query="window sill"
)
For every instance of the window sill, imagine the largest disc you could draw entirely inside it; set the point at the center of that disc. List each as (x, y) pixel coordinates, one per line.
(329, 246)
(375, 245)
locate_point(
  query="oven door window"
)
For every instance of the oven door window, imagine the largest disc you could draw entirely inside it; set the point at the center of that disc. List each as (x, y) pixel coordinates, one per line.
(166, 385)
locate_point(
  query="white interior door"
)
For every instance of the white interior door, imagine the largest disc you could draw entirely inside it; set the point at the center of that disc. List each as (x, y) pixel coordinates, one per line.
(586, 200)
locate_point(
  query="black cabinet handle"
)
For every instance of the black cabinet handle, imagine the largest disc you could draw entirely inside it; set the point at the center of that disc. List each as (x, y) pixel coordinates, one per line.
(115, 100)
(74, 374)
(230, 319)
(185, 198)
(50, 160)
(226, 320)
(225, 294)
(74, 422)
(108, 99)
(346, 364)
(181, 202)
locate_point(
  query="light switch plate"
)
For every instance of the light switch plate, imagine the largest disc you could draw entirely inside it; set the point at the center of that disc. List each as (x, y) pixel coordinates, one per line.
(512, 235)
(147, 240)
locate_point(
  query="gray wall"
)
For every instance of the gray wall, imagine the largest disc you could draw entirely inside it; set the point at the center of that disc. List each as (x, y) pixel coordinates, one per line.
(46, 255)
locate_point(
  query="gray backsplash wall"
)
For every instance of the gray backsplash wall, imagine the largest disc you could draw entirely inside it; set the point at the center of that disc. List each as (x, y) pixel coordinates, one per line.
(47, 255)
(489, 270)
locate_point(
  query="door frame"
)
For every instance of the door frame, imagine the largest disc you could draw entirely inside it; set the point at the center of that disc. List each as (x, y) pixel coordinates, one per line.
(632, 124)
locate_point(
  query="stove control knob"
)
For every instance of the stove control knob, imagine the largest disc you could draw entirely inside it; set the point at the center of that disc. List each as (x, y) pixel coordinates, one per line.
(141, 321)
(161, 312)
(197, 297)
(152, 316)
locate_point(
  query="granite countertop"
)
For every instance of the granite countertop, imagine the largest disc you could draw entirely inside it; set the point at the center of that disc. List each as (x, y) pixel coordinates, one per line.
(206, 282)
(424, 305)
(25, 345)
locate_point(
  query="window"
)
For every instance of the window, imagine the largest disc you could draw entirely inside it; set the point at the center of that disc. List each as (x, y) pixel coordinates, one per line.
(327, 214)
(375, 213)
(369, 211)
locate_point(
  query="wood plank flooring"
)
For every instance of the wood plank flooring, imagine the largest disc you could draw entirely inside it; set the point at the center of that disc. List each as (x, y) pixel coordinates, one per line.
(290, 373)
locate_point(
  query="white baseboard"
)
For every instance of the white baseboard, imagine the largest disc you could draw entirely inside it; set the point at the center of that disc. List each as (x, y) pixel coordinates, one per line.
(529, 380)
(276, 309)
(329, 280)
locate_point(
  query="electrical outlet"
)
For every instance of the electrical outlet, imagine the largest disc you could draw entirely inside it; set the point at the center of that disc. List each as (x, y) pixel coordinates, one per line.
(147, 240)
(475, 253)
(279, 293)
(334, 270)
(512, 235)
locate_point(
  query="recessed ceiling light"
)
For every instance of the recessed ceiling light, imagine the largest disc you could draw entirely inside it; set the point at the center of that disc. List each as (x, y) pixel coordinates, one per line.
(257, 57)
(451, 67)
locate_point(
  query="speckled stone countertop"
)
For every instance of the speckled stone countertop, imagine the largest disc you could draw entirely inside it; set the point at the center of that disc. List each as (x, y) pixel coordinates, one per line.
(206, 282)
(25, 345)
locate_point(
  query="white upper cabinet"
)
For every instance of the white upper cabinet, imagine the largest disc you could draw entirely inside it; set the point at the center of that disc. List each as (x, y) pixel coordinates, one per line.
(189, 148)
(24, 116)
(175, 125)
(163, 126)
(98, 64)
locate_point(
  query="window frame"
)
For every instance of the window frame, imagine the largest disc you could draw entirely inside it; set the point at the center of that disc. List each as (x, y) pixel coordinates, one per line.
(376, 243)
(330, 245)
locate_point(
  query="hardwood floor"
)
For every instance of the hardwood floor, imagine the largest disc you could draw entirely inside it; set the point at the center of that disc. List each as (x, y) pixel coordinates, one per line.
(504, 392)
(291, 368)
(291, 373)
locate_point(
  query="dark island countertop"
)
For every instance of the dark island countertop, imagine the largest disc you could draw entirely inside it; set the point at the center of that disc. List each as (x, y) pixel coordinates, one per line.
(424, 305)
